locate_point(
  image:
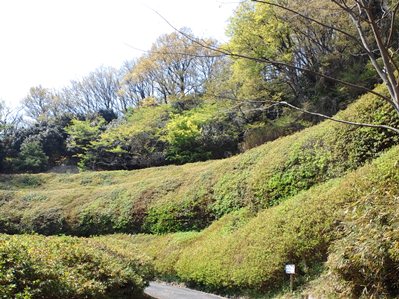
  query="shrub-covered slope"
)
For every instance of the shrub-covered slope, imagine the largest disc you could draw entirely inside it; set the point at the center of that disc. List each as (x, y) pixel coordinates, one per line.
(190, 197)
(67, 267)
(352, 222)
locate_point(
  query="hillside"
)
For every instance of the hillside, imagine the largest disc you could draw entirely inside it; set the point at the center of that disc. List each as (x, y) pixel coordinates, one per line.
(190, 197)
(342, 236)
(350, 222)
(226, 225)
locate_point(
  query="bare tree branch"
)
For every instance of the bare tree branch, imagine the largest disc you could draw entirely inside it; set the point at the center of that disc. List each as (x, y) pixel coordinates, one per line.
(341, 120)
(391, 27)
(353, 123)
(175, 53)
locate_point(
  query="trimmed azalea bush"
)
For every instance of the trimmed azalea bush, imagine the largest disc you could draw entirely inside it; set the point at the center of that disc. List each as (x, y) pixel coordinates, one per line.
(33, 266)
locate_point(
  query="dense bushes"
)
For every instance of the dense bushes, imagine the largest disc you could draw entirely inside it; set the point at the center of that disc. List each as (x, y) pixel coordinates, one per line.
(62, 267)
(33, 148)
(323, 152)
(351, 221)
(367, 254)
(187, 130)
(180, 198)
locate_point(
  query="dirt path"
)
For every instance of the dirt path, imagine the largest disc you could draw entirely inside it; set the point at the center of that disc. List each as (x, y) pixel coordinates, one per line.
(164, 291)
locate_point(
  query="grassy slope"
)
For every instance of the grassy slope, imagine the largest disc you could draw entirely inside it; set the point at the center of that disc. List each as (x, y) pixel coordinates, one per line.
(192, 196)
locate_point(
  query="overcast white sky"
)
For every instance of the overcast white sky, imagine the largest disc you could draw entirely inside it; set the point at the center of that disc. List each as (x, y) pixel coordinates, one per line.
(50, 42)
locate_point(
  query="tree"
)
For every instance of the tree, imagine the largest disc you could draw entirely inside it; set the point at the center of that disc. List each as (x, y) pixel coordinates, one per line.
(31, 158)
(132, 141)
(201, 133)
(376, 24)
(10, 122)
(102, 87)
(39, 103)
(266, 32)
(173, 68)
(182, 135)
(99, 90)
(137, 83)
(81, 135)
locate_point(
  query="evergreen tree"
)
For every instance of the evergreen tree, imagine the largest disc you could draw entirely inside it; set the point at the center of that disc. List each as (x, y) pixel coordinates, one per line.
(31, 157)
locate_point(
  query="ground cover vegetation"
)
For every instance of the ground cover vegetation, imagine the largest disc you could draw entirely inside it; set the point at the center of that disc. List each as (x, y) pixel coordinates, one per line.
(33, 266)
(243, 186)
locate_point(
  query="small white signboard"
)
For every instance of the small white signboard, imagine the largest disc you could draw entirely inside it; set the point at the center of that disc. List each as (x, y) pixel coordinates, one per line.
(290, 269)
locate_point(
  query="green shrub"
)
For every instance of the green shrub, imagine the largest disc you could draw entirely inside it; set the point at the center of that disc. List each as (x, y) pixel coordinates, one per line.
(47, 222)
(182, 135)
(366, 255)
(174, 216)
(323, 152)
(64, 267)
(20, 181)
(31, 157)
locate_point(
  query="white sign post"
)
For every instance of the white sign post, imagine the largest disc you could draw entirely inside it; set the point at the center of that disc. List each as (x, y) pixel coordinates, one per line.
(290, 269)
